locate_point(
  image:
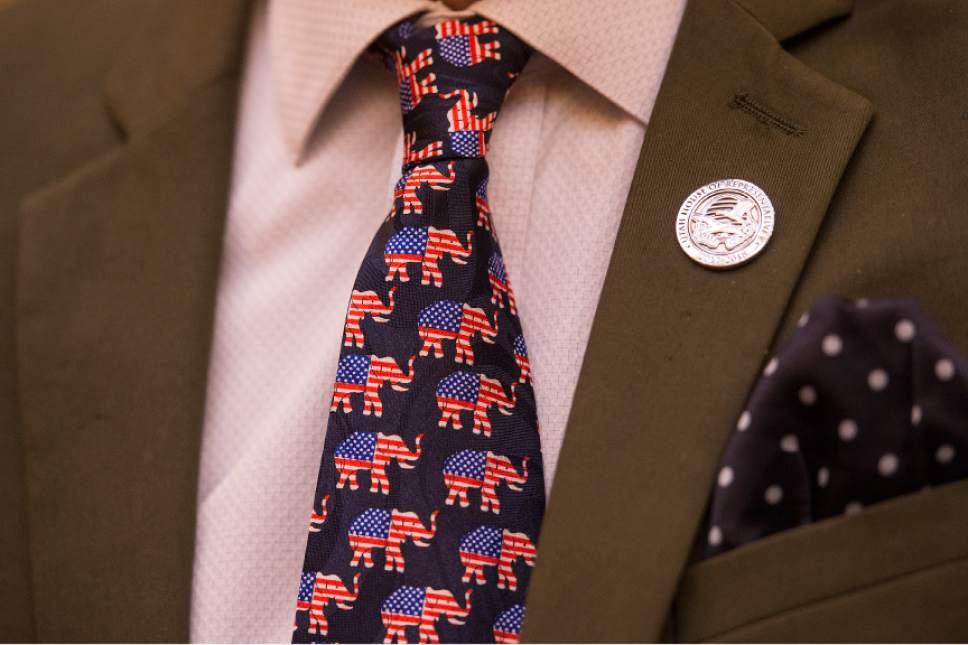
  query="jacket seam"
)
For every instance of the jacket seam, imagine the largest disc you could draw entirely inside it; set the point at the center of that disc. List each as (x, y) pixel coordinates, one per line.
(764, 114)
(723, 635)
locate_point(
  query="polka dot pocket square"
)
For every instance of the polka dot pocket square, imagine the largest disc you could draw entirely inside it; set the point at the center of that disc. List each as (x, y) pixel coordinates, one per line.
(865, 402)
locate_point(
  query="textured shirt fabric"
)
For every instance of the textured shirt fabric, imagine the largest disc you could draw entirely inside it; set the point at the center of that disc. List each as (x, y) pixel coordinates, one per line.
(318, 149)
(864, 403)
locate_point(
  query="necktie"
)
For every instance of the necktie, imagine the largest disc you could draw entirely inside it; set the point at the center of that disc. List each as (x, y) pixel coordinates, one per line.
(430, 490)
(865, 402)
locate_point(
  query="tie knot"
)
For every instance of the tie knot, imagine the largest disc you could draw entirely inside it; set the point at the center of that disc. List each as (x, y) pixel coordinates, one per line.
(453, 77)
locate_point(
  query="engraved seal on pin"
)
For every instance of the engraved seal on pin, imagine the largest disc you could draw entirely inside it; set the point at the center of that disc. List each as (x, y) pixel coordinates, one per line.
(725, 224)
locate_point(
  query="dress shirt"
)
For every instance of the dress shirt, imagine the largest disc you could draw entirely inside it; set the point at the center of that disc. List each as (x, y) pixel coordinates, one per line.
(318, 148)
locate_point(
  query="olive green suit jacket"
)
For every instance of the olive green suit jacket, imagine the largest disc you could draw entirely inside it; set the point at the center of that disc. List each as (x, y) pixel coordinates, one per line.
(116, 133)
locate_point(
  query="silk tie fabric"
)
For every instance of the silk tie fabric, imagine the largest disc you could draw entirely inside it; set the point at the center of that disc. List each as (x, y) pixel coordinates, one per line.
(430, 491)
(867, 401)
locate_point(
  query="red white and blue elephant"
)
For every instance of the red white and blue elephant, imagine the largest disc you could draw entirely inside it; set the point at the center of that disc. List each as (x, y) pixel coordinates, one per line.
(507, 627)
(521, 358)
(460, 46)
(426, 175)
(363, 303)
(468, 132)
(412, 154)
(318, 518)
(372, 451)
(412, 89)
(421, 607)
(316, 590)
(462, 391)
(426, 245)
(365, 374)
(500, 283)
(483, 206)
(379, 528)
(490, 546)
(453, 320)
(486, 470)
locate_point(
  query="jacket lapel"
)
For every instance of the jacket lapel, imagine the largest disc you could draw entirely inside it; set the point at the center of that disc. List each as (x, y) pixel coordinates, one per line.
(116, 278)
(675, 347)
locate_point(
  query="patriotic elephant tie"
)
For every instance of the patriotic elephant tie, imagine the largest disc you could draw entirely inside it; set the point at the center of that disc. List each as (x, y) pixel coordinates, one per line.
(430, 491)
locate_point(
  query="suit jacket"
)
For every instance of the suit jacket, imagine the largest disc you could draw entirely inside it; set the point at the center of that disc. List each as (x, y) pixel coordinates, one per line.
(116, 132)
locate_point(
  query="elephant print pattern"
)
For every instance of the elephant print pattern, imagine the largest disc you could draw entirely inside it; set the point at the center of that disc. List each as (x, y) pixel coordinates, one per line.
(363, 303)
(430, 491)
(358, 373)
(377, 528)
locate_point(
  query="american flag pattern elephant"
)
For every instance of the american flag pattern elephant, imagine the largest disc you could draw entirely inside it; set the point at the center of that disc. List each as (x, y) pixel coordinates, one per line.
(412, 154)
(412, 89)
(379, 528)
(469, 469)
(362, 304)
(318, 518)
(428, 175)
(483, 206)
(507, 627)
(460, 45)
(463, 391)
(500, 283)
(407, 524)
(422, 608)
(490, 546)
(358, 373)
(372, 451)
(452, 320)
(426, 245)
(521, 358)
(468, 132)
(317, 590)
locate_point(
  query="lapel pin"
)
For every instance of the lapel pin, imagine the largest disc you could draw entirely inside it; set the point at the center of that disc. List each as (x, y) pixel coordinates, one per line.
(725, 223)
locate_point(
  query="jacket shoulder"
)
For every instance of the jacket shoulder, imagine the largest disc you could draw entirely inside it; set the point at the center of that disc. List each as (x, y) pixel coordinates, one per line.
(54, 56)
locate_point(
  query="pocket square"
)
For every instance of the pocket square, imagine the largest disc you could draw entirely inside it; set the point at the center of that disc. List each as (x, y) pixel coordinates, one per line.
(865, 402)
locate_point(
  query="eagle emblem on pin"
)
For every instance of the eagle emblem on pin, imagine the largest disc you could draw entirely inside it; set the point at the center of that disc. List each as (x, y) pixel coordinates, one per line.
(725, 223)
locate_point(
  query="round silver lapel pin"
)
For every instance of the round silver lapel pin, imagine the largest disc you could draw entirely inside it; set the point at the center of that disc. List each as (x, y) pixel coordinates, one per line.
(725, 223)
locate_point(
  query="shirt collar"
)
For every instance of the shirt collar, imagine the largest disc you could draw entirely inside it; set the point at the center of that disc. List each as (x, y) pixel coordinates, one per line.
(621, 52)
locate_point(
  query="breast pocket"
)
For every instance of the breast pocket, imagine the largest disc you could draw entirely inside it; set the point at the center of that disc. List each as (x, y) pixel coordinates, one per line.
(898, 571)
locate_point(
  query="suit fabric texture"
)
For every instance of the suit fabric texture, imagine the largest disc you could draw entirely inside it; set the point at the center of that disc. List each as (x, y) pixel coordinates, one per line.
(117, 136)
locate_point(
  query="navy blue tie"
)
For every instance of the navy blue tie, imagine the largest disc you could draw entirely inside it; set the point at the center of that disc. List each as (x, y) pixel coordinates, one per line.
(430, 490)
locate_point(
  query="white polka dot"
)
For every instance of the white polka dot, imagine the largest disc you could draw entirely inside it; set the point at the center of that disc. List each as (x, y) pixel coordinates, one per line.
(804, 319)
(744, 421)
(831, 344)
(847, 430)
(774, 495)
(915, 414)
(877, 380)
(862, 303)
(808, 395)
(887, 464)
(789, 443)
(715, 536)
(823, 477)
(944, 369)
(904, 330)
(945, 454)
(771, 367)
(725, 476)
(853, 508)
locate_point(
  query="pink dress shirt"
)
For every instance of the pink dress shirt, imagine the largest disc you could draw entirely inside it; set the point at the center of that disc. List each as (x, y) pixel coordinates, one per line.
(318, 149)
